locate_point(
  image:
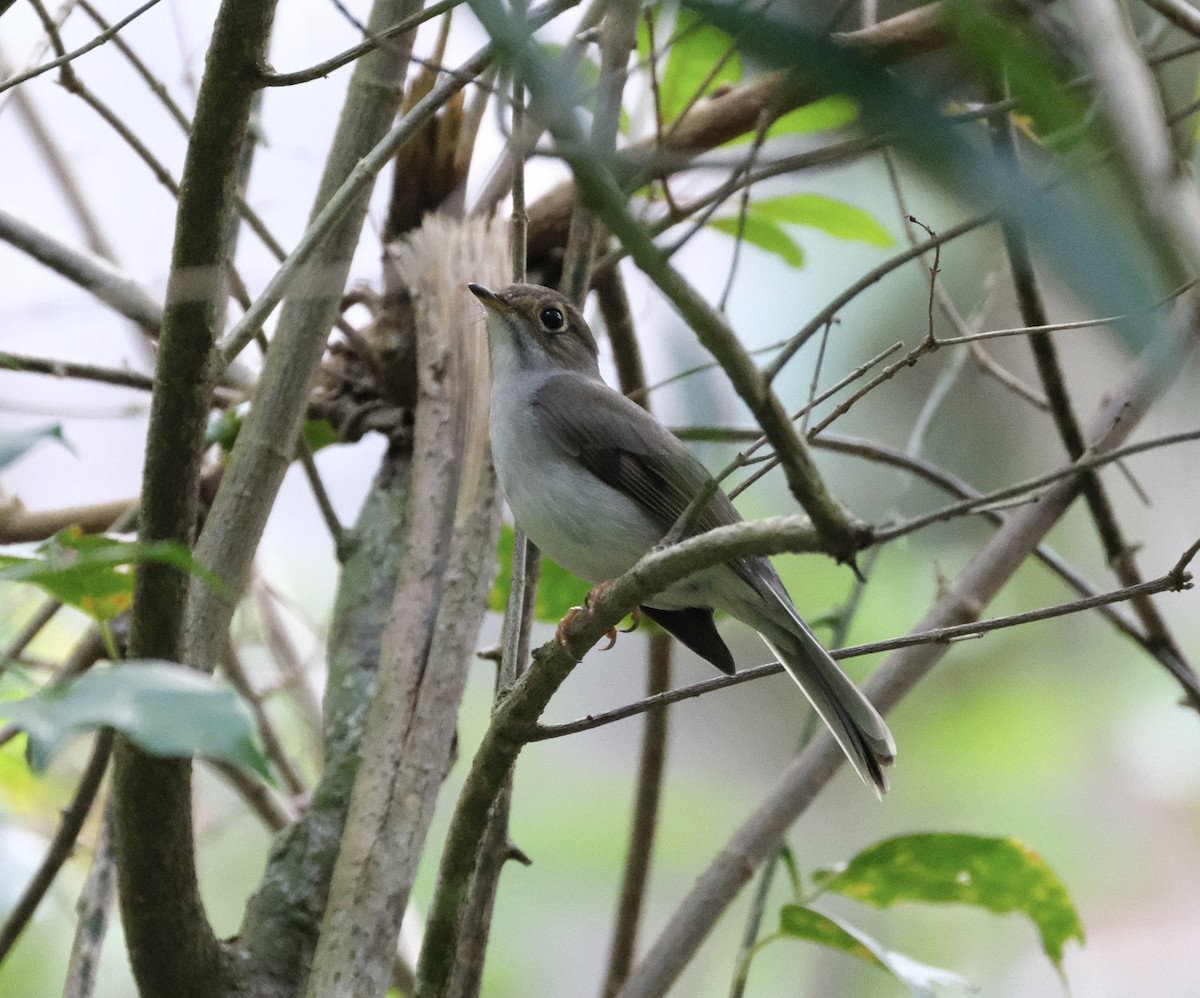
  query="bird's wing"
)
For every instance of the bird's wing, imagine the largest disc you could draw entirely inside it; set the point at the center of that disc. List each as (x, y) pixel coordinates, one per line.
(628, 449)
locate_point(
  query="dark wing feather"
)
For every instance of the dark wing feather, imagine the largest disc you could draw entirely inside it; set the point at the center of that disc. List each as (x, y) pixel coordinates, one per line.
(625, 447)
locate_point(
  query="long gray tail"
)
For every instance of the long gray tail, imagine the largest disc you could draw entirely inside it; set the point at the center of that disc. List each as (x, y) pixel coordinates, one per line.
(849, 715)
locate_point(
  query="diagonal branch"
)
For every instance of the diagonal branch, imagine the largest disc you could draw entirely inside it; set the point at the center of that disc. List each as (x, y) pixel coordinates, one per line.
(601, 192)
(963, 600)
(1176, 580)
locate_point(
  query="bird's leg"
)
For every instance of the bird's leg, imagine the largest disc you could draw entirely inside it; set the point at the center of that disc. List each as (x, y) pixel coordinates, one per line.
(635, 618)
(593, 594)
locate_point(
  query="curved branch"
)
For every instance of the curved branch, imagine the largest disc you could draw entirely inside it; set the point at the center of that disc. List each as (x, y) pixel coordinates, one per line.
(171, 945)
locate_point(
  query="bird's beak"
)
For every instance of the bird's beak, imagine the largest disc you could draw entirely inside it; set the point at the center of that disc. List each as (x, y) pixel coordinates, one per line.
(488, 298)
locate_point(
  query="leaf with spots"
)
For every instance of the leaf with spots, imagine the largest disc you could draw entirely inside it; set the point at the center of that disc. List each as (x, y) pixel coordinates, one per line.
(1000, 875)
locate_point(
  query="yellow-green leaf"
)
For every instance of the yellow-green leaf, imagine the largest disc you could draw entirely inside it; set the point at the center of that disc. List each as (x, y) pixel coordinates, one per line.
(817, 211)
(763, 233)
(94, 573)
(824, 115)
(998, 874)
(695, 47)
(800, 922)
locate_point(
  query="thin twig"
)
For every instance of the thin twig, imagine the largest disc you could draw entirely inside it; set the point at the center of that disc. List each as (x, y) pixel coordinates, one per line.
(72, 369)
(67, 57)
(324, 504)
(1118, 552)
(1175, 580)
(61, 846)
(874, 275)
(93, 908)
(1087, 463)
(323, 69)
(29, 630)
(651, 766)
(272, 743)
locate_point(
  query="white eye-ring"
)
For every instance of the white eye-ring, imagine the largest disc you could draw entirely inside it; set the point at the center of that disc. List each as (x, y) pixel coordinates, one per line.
(552, 319)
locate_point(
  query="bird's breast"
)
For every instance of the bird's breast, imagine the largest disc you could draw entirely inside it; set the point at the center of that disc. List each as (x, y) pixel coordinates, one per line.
(586, 526)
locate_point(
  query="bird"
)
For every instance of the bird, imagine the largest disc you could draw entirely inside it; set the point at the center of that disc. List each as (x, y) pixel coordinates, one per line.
(596, 482)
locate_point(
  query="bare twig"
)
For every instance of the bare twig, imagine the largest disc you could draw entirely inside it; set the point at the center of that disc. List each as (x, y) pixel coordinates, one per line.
(1175, 580)
(94, 906)
(67, 57)
(323, 69)
(1118, 552)
(1026, 488)
(651, 765)
(872, 276)
(1180, 13)
(29, 630)
(272, 743)
(61, 846)
(104, 281)
(71, 369)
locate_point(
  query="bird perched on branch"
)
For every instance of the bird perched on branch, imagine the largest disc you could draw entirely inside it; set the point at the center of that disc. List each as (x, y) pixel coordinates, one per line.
(596, 482)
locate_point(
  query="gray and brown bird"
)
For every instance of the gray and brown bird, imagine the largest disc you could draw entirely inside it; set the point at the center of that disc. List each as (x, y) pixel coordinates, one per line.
(596, 482)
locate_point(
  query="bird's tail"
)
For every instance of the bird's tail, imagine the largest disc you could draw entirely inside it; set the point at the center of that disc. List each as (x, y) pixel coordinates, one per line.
(849, 715)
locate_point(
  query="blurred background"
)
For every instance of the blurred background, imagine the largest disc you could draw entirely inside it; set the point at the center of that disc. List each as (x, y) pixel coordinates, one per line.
(1061, 734)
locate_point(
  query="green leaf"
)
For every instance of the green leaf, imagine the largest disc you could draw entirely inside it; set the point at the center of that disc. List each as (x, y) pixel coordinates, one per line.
(827, 214)
(95, 573)
(223, 428)
(320, 433)
(824, 115)
(798, 922)
(14, 443)
(765, 234)
(998, 874)
(558, 590)
(167, 709)
(695, 47)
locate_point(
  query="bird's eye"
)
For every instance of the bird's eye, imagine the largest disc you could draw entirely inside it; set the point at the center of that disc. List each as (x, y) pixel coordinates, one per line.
(552, 319)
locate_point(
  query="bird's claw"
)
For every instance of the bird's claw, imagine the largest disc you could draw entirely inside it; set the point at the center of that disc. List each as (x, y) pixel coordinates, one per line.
(560, 634)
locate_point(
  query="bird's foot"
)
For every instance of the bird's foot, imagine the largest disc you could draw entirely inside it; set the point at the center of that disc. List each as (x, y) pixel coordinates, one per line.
(593, 594)
(560, 632)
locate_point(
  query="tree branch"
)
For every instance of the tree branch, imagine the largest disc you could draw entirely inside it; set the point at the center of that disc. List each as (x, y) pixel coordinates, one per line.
(1118, 552)
(62, 60)
(171, 944)
(104, 281)
(1175, 580)
(962, 602)
(445, 570)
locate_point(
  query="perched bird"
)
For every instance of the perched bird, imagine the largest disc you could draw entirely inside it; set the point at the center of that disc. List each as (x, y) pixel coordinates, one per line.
(596, 482)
